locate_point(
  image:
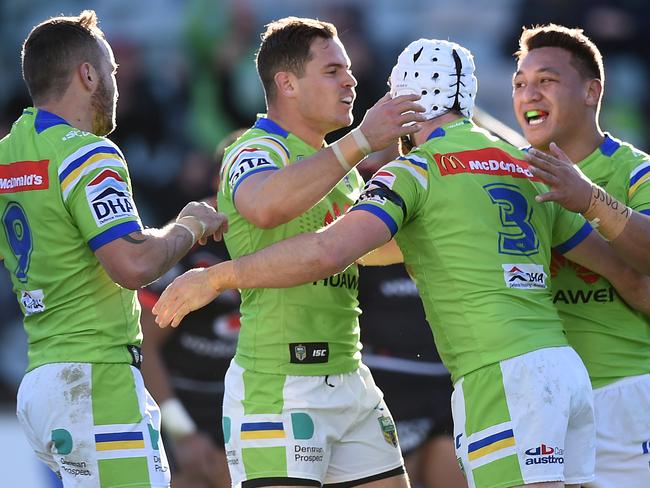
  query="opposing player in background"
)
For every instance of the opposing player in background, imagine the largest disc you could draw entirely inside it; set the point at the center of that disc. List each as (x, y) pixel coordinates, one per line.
(75, 248)
(462, 208)
(185, 367)
(557, 91)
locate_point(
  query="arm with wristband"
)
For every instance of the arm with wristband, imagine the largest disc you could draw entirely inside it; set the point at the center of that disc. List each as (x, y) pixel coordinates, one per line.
(627, 231)
(141, 257)
(271, 198)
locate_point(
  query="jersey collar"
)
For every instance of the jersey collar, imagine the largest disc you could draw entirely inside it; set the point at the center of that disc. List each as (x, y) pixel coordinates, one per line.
(269, 126)
(609, 146)
(44, 120)
(442, 130)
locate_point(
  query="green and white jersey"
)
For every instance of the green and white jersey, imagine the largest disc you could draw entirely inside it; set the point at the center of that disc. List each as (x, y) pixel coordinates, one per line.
(478, 246)
(64, 193)
(311, 329)
(612, 338)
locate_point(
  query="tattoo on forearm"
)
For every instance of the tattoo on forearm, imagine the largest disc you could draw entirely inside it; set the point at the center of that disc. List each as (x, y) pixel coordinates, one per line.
(175, 248)
(132, 239)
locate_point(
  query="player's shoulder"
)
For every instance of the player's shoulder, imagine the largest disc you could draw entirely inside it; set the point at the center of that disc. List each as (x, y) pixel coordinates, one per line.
(257, 139)
(622, 153)
(75, 146)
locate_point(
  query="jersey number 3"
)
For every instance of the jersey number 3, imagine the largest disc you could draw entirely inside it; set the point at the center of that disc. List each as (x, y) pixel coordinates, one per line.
(518, 237)
(19, 237)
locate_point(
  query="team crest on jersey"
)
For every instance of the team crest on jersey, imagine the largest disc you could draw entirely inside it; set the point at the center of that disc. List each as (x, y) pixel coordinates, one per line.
(388, 429)
(109, 198)
(524, 276)
(33, 301)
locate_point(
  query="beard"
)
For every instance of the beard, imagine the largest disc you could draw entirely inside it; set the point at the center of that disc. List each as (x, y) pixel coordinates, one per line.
(103, 105)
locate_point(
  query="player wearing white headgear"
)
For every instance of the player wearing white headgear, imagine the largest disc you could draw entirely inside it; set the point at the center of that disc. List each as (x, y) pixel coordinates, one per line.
(461, 206)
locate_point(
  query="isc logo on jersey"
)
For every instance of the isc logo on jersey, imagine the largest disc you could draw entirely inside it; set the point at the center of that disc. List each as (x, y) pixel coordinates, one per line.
(109, 198)
(524, 276)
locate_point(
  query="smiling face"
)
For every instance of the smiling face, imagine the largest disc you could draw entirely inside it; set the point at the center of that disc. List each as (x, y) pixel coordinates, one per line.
(326, 91)
(552, 100)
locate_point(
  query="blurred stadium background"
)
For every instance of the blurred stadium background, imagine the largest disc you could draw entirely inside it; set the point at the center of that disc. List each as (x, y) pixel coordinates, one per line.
(187, 78)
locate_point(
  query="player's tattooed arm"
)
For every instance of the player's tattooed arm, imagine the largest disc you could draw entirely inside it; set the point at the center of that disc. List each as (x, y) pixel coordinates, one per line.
(141, 257)
(135, 238)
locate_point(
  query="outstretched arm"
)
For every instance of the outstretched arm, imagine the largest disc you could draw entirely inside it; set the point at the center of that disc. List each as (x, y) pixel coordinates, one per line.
(139, 258)
(301, 259)
(627, 230)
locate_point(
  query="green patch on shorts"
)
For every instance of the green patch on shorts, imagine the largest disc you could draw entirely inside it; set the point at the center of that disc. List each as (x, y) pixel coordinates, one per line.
(62, 440)
(115, 400)
(265, 462)
(485, 399)
(486, 406)
(226, 427)
(263, 393)
(303, 426)
(502, 472)
(131, 472)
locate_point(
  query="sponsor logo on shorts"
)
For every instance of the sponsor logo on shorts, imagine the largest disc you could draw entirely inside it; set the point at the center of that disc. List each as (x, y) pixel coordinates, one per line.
(109, 198)
(262, 430)
(33, 301)
(309, 352)
(524, 276)
(159, 464)
(74, 468)
(544, 454)
(308, 454)
(388, 429)
(231, 457)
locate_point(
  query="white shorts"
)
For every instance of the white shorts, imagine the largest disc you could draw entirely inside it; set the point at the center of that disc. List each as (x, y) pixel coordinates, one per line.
(527, 419)
(94, 424)
(623, 434)
(326, 429)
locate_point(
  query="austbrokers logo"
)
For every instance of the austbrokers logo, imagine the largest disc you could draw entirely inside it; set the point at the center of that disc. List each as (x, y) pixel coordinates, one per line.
(544, 454)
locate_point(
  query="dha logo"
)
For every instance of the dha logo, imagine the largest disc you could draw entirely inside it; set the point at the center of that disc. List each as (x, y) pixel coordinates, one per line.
(524, 276)
(544, 454)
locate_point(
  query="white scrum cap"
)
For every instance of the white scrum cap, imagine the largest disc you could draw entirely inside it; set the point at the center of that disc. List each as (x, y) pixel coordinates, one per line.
(442, 72)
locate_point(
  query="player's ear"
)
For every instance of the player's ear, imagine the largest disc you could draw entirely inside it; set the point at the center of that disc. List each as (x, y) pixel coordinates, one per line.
(88, 75)
(594, 92)
(285, 83)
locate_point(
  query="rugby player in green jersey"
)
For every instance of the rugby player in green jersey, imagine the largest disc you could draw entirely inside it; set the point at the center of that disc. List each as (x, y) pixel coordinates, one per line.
(297, 365)
(461, 205)
(75, 248)
(557, 92)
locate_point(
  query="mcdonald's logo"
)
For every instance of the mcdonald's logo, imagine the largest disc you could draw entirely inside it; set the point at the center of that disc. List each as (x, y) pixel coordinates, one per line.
(451, 160)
